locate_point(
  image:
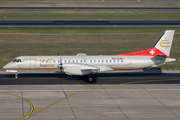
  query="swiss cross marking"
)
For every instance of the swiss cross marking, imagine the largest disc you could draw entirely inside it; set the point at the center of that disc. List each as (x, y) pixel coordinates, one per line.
(152, 52)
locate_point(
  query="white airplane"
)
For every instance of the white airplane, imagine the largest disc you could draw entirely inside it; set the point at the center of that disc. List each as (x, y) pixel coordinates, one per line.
(88, 65)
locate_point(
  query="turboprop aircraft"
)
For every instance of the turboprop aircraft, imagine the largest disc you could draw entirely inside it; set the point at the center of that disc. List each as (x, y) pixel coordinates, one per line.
(88, 65)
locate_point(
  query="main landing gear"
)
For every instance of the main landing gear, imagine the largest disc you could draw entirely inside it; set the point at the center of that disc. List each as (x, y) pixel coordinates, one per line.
(91, 79)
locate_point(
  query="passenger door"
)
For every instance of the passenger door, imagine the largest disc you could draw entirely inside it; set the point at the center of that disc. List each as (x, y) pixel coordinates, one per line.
(32, 63)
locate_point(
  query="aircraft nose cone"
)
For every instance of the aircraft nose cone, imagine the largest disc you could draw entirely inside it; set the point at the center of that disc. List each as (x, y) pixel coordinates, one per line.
(5, 67)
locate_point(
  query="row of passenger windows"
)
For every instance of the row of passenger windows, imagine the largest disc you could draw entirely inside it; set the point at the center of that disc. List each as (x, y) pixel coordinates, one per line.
(75, 61)
(91, 61)
(83, 61)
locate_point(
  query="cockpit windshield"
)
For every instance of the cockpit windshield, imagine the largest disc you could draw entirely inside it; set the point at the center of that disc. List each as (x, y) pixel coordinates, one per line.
(16, 60)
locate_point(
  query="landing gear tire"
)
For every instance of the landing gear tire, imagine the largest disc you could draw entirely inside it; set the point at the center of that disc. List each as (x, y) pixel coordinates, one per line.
(90, 79)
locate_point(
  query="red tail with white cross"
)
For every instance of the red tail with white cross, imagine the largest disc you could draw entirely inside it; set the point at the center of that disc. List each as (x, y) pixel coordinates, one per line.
(162, 47)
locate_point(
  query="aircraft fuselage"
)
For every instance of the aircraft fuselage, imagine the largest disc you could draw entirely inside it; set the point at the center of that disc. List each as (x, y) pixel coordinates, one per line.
(52, 62)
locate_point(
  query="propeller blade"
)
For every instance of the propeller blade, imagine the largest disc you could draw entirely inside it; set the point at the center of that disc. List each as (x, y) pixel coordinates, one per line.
(61, 66)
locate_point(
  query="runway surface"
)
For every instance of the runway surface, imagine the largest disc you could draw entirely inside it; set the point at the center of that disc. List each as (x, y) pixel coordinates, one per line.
(114, 96)
(89, 8)
(85, 23)
(101, 78)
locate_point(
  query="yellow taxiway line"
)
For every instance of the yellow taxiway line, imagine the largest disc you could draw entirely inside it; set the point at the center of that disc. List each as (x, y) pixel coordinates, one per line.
(31, 106)
(93, 89)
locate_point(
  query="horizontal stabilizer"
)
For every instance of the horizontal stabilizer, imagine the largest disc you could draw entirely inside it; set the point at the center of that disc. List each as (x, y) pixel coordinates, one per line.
(159, 60)
(170, 59)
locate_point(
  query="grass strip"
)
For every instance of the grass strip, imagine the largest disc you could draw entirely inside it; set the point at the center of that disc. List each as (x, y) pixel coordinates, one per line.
(89, 3)
(89, 15)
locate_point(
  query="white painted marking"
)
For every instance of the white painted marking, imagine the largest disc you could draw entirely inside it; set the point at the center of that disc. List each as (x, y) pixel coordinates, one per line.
(152, 52)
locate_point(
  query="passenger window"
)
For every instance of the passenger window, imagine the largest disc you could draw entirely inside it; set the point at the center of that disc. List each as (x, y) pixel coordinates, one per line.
(102, 61)
(114, 60)
(91, 61)
(46, 61)
(54, 61)
(94, 61)
(110, 61)
(73, 61)
(81, 61)
(58, 61)
(98, 61)
(84, 61)
(64, 61)
(69, 61)
(77, 61)
(106, 60)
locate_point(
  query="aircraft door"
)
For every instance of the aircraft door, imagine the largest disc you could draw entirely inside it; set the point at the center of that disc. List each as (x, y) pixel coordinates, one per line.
(32, 63)
(18, 62)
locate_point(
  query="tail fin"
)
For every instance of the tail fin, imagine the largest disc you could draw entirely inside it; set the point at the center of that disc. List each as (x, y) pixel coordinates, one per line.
(165, 42)
(162, 47)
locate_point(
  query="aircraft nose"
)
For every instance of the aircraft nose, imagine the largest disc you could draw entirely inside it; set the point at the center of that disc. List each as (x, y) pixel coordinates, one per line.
(5, 67)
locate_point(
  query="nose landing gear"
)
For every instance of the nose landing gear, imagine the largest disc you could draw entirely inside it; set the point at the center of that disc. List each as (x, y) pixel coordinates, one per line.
(16, 75)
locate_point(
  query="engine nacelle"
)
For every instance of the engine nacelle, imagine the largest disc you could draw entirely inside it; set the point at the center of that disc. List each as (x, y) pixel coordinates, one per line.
(79, 69)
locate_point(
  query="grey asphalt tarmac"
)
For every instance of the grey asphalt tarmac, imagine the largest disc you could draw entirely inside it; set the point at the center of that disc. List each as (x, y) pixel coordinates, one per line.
(114, 96)
(90, 23)
(100, 78)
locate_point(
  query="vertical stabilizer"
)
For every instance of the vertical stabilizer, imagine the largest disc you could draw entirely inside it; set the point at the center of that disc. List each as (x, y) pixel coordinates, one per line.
(165, 42)
(162, 47)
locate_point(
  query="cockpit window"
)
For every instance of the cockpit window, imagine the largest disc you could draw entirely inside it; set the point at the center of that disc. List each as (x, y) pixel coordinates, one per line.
(16, 60)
